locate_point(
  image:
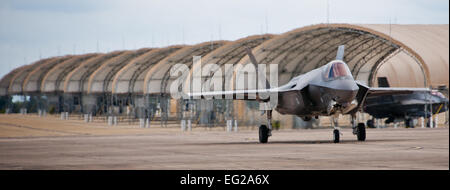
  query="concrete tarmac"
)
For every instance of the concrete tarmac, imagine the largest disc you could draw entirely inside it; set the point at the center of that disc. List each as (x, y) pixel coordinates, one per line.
(100, 147)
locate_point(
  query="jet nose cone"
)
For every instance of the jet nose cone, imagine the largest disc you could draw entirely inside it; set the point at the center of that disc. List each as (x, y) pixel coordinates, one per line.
(346, 85)
(345, 96)
(345, 90)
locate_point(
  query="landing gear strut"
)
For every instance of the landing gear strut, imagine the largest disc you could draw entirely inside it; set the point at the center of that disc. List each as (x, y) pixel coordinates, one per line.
(336, 133)
(265, 131)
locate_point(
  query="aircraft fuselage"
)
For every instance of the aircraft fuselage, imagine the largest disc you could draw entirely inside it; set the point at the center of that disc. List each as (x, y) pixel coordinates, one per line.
(317, 100)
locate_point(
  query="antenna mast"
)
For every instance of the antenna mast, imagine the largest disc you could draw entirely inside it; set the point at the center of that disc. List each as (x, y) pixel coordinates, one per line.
(328, 11)
(267, 23)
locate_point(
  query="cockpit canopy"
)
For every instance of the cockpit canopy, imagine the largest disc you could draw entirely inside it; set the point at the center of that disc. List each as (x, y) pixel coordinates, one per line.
(337, 70)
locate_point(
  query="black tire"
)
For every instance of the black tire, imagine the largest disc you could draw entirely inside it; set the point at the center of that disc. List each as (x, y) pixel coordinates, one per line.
(336, 136)
(307, 118)
(361, 132)
(370, 123)
(263, 134)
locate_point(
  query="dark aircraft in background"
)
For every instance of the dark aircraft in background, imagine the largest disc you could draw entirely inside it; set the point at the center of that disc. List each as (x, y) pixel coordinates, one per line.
(329, 90)
(404, 107)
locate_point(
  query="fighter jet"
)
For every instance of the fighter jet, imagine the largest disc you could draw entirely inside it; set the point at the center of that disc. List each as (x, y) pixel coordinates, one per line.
(325, 91)
(404, 107)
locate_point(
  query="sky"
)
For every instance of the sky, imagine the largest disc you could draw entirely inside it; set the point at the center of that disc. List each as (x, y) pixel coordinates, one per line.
(35, 29)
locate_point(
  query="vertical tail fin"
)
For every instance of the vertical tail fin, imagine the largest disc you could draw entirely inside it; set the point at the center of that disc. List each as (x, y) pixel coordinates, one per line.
(340, 53)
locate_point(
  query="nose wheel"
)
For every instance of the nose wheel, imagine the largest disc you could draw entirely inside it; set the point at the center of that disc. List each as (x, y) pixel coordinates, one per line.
(263, 134)
(265, 131)
(336, 136)
(336, 132)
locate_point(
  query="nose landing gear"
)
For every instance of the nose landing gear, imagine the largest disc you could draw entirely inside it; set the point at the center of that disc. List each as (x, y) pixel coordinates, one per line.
(265, 131)
(336, 133)
(263, 134)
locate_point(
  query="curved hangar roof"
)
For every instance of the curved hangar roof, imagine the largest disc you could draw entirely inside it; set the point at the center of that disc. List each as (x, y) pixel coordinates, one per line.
(53, 81)
(371, 50)
(33, 81)
(18, 81)
(231, 53)
(130, 78)
(16, 85)
(157, 79)
(102, 78)
(77, 80)
(431, 42)
(6, 80)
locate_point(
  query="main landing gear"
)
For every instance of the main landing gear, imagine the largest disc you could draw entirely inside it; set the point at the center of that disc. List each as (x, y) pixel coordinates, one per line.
(358, 130)
(265, 131)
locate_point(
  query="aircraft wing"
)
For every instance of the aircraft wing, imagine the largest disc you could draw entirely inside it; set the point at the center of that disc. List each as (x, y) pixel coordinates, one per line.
(394, 91)
(298, 83)
(235, 94)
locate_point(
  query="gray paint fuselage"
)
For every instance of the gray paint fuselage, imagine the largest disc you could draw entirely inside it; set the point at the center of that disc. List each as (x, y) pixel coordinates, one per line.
(315, 99)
